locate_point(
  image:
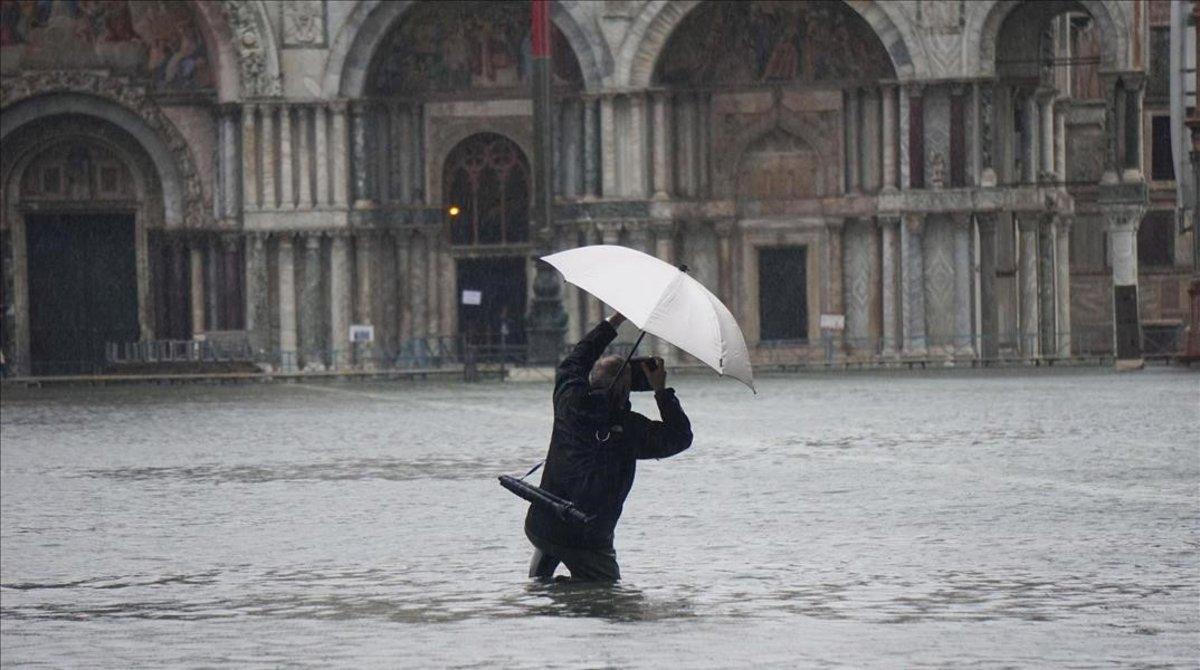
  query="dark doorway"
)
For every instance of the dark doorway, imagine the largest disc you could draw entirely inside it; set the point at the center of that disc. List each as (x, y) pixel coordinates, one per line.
(499, 318)
(782, 294)
(82, 289)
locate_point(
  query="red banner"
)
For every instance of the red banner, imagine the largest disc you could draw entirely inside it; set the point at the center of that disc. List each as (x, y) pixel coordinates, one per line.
(540, 32)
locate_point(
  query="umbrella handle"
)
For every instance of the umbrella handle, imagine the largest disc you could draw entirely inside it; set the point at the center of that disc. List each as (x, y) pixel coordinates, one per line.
(626, 361)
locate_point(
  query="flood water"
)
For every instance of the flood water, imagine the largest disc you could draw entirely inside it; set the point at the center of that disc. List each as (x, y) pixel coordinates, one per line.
(945, 519)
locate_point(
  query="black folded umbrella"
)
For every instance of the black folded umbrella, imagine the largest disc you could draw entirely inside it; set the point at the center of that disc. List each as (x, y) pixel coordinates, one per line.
(563, 508)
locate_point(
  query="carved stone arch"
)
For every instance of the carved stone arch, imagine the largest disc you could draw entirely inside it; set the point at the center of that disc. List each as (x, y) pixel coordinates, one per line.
(984, 21)
(371, 21)
(813, 129)
(651, 30)
(220, 40)
(36, 95)
(257, 50)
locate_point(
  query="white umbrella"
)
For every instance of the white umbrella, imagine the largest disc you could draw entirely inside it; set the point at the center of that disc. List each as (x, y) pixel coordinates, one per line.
(662, 300)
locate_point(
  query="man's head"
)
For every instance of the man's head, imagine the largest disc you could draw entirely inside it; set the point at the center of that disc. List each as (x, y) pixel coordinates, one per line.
(602, 375)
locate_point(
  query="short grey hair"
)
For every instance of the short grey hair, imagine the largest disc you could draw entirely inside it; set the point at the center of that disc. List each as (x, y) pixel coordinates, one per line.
(604, 372)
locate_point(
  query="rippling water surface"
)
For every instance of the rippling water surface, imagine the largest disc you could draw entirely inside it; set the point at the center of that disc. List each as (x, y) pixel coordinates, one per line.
(952, 519)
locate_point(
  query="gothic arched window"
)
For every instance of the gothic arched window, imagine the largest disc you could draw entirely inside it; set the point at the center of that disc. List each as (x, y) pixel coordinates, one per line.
(487, 180)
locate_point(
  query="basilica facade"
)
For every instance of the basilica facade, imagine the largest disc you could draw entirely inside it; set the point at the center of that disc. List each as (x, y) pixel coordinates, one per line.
(857, 180)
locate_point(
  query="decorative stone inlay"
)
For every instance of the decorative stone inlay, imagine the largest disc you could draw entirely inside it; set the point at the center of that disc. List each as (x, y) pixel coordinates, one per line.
(304, 23)
(252, 50)
(129, 95)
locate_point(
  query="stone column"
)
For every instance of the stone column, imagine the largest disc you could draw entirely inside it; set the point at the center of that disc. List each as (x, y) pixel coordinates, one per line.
(340, 301)
(724, 230)
(230, 162)
(363, 192)
(834, 298)
(988, 315)
(212, 288)
(987, 125)
(232, 298)
(905, 138)
(304, 121)
(1123, 222)
(1062, 285)
(287, 197)
(250, 195)
(448, 288)
(258, 314)
(703, 137)
(1047, 293)
(269, 163)
(572, 130)
(1111, 100)
(365, 287)
(964, 336)
(310, 305)
(403, 287)
(853, 182)
(889, 137)
(870, 140)
(418, 291)
(341, 177)
(321, 150)
(1046, 116)
(1028, 287)
(1032, 129)
(890, 282)
(662, 146)
(591, 176)
(912, 261)
(608, 147)
(288, 354)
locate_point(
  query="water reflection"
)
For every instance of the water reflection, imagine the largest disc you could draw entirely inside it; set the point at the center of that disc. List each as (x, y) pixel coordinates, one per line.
(620, 602)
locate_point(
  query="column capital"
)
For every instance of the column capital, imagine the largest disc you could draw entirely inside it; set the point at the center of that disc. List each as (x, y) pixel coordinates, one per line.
(914, 89)
(1123, 219)
(986, 220)
(1029, 222)
(230, 241)
(724, 227)
(312, 241)
(914, 222)
(961, 219)
(835, 224)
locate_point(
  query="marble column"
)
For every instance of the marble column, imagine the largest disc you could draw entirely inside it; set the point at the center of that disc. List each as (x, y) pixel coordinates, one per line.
(591, 163)
(364, 289)
(987, 125)
(341, 177)
(912, 263)
(572, 131)
(321, 152)
(1028, 225)
(212, 286)
(232, 294)
(989, 333)
(197, 279)
(566, 238)
(1047, 275)
(287, 197)
(269, 162)
(288, 354)
(250, 195)
(870, 141)
(1123, 225)
(362, 173)
(662, 146)
(724, 230)
(905, 137)
(258, 315)
(403, 242)
(418, 289)
(852, 132)
(229, 162)
(1062, 285)
(964, 323)
(1111, 84)
(310, 305)
(608, 147)
(890, 282)
(1032, 130)
(703, 137)
(1045, 100)
(889, 137)
(1060, 139)
(1132, 127)
(340, 302)
(305, 155)
(834, 298)
(447, 282)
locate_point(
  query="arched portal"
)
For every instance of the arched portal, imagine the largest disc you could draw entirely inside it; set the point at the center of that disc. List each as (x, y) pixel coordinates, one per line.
(486, 192)
(82, 204)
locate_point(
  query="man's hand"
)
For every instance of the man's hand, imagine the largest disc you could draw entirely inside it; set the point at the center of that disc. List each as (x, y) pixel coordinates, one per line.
(656, 376)
(616, 319)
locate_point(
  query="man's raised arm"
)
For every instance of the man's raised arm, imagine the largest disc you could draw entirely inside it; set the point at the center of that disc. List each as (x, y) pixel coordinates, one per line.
(674, 433)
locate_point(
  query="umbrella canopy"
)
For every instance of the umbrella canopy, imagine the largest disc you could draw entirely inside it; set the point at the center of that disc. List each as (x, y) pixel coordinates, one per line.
(662, 300)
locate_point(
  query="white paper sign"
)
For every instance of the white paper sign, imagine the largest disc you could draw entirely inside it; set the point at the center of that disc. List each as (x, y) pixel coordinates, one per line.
(472, 297)
(833, 322)
(362, 333)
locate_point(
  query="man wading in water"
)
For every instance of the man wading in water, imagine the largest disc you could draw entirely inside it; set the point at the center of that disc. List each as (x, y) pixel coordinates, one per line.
(593, 455)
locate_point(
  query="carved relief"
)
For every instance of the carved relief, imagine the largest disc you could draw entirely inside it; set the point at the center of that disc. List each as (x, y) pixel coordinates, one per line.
(131, 96)
(243, 20)
(304, 23)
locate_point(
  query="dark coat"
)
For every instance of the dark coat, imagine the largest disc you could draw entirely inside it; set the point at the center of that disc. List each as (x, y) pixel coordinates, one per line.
(593, 453)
